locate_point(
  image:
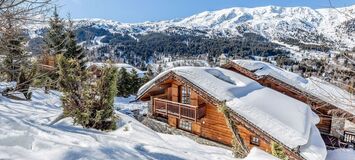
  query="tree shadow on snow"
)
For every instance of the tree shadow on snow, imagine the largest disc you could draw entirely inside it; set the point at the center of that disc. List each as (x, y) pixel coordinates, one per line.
(119, 152)
(154, 155)
(74, 129)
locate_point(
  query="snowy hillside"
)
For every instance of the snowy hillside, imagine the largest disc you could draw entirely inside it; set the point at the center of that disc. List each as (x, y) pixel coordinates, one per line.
(25, 133)
(292, 25)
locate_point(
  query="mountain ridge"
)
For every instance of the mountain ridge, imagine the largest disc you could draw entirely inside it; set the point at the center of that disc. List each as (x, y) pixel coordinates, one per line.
(326, 26)
(295, 28)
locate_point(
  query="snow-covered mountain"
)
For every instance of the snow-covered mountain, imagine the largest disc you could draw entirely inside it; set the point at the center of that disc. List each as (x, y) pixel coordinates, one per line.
(291, 25)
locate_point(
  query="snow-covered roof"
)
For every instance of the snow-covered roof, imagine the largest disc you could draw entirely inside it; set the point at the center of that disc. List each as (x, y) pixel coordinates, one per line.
(319, 88)
(284, 118)
(128, 67)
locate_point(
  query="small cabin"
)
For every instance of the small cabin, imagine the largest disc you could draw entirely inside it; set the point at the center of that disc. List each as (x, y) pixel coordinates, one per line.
(311, 91)
(190, 98)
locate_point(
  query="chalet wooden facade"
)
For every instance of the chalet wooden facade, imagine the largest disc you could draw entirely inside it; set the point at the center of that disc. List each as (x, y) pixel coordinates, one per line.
(187, 106)
(324, 110)
(47, 62)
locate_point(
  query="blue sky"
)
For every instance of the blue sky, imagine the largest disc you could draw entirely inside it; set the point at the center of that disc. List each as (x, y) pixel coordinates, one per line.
(155, 10)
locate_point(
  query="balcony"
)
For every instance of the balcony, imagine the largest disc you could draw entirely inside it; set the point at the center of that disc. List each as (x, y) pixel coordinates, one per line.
(349, 137)
(179, 110)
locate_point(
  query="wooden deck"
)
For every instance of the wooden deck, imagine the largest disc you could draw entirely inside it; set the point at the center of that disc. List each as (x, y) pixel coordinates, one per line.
(349, 137)
(179, 110)
(345, 141)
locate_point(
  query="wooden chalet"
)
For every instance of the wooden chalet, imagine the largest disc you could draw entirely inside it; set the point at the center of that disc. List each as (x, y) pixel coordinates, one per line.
(189, 98)
(328, 109)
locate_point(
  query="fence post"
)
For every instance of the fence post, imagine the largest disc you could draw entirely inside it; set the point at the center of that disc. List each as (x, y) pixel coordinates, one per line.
(179, 111)
(166, 107)
(195, 114)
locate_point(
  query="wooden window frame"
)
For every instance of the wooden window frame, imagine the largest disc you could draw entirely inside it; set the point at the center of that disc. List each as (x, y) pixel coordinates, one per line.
(254, 140)
(185, 94)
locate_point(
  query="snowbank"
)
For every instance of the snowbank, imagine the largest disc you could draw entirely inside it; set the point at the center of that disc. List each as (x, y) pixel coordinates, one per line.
(257, 154)
(315, 148)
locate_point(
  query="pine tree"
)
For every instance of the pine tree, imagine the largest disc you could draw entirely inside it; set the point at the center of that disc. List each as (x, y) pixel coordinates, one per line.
(55, 37)
(160, 69)
(278, 151)
(72, 49)
(16, 63)
(25, 81)
(12, 46)
(54, 43)
(72, 84)
(123, 83)
(148, 75)
(89, 104)
(135, 82)
(102, 113)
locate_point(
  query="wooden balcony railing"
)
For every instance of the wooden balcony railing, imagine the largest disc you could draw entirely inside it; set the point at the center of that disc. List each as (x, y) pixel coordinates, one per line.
(180, 110)
(349, 137)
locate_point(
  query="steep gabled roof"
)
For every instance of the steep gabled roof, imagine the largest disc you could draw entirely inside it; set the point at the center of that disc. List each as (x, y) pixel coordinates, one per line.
(316, 87)
(285, 119)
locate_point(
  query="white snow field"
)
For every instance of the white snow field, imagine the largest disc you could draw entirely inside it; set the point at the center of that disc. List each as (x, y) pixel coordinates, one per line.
(286, 119)
(25, 134)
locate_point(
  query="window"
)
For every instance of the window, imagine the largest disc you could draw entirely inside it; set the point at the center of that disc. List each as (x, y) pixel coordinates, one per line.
(185, 95)
(185, 125)
(254, 140)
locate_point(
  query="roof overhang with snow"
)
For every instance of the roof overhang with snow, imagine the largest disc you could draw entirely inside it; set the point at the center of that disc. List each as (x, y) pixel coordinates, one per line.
(342, 102)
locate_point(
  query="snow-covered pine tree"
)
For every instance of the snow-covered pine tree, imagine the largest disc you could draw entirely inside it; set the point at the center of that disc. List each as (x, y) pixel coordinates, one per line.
(148, 75)
(278, 151)
(135, 82)
(102, 112)
(123, 83)
(72, 49)
(160, 69)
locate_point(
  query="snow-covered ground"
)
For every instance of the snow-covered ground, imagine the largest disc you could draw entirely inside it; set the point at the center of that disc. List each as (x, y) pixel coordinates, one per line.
(25, 133)
(341, 154)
